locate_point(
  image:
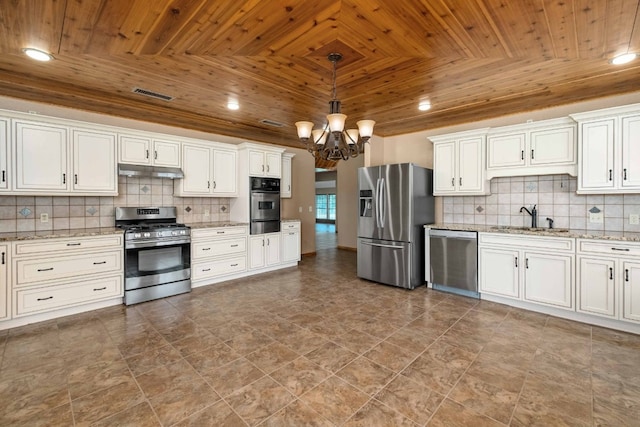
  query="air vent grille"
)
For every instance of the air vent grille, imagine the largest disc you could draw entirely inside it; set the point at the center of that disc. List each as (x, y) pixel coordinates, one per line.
(271, 123)
(152, 94)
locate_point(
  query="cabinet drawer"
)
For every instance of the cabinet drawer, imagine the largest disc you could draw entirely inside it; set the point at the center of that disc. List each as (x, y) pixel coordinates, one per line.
(29, 271)
(29, 301)
(58, 245)
(217, 232)
(527, 242)
(217, 247)
(290, 226)
(608, 247)
(205, 270)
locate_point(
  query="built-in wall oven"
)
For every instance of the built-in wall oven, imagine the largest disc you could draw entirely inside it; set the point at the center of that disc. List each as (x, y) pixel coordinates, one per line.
(157, 253)
(265, 205)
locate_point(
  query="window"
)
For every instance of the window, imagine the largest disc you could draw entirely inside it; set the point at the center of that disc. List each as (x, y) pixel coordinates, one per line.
(326, 207)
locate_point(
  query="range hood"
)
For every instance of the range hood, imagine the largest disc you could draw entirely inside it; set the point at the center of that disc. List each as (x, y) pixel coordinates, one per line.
(142, 171)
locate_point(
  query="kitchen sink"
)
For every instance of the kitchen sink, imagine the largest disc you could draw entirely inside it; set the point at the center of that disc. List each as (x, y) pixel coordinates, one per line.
(515, 228)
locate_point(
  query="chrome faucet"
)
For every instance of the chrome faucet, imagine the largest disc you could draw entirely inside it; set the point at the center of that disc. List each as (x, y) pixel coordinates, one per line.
(534, 215)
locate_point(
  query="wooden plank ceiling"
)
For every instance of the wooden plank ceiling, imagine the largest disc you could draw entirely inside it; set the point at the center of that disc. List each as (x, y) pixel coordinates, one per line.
(473, 59)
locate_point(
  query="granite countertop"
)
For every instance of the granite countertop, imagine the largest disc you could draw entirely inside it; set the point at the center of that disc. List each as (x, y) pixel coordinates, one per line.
(216, 224)
(581, 234)
(54, 234)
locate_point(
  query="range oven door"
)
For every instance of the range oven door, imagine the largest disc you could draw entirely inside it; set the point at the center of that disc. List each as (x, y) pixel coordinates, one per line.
(147, 264)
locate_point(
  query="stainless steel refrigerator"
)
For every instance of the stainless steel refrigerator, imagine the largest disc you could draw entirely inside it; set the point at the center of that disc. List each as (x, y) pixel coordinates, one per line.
(395, 202)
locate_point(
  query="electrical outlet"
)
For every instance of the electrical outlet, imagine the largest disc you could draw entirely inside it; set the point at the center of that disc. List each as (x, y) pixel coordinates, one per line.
(207, 212)
(634, 219)
(44, 217)
(299, 209)
(310, 208)
(596, 217)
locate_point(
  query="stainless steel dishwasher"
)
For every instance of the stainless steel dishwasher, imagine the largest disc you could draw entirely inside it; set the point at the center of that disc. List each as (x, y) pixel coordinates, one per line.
(454, 261)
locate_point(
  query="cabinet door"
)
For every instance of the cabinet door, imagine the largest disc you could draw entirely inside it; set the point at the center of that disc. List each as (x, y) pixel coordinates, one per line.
(4, 155)
(290, 246)
(631, 290)
(505, 150)
(225, 180)
(470, 165)
(444, 164)
(273, 164)
(4, 295)
(166, 153)
(41, 158)
(134, 149)
(552, 146)
(631, 152)
(285, 183)
(94, 162)
(548, 279)
(197, 170)
(596, 160)
(499, 272)
(256, 163)
(596, 286)
(273, 248)
(257, 252)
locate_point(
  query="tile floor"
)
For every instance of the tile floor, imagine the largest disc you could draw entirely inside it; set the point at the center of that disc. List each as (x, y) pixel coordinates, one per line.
(315, 346)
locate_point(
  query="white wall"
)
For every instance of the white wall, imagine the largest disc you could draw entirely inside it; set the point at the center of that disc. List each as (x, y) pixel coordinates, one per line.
(347, 200)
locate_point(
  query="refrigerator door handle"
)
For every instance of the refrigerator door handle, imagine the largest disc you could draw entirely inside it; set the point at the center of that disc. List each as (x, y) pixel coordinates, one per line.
(377, 202)
(382, 246)
(383, 208)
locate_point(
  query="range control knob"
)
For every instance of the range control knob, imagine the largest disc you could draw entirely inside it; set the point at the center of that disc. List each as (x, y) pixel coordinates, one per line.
(147, 234)
(174, 233)
(136, 235)
(183, 231)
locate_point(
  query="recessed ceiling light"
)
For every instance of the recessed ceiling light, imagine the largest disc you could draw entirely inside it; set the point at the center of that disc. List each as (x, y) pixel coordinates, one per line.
(424, 105)
(233, 105)
(624, 58)
(37, 54)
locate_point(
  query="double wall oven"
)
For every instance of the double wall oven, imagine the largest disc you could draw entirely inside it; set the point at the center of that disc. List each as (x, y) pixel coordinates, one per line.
(157, 253)
(265, 205)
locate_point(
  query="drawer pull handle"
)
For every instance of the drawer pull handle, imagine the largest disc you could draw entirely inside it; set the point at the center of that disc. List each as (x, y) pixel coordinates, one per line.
(526, 262)
(624, 174)
(620, 249)
(206, 249)
(3, 261)
(522, 155)
(44, 299)
(291, 234)
(610, 273)
(206, 269)
(74, 244)
(219, 232)
(610, 174)
(626, 274)
(45, 269)
(99, 262)
(516, 262)
(234, 265)
(234, 246)
(532, 155)
(100, 289)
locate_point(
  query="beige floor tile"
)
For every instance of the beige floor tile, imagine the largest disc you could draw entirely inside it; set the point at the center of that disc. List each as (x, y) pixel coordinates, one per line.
(272, 357)
(300, 376)
(413, 401)
(167, 377)
(259, 400)
(140, 415)
(91, 408)
(219, 414)
(366, 375)
(452, 414)
(183, 400)
(233, 376)
(375, 414)
(212, 358)
(331, 356)
(153, 358)
(92, 378)
(391, 356)
(297, 414)
(485, 398)
(335, 400)
(356, 341)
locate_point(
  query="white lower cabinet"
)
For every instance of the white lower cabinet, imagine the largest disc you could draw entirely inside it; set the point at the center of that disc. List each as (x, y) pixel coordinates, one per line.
(218, 252)
(4, 291)
(264, 250)
(529, 268)
(58, 273)
(609, 279)
(290, 241)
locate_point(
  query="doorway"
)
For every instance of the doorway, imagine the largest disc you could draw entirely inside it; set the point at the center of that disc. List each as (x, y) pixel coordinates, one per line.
(326, 209)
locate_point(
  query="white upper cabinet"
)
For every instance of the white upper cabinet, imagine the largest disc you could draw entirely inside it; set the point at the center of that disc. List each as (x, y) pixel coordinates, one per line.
(264, 163)
(545, 147)
(285, 183)
(42, 157)
(146, 150)
(609, 152)
(94, 161)
(4, 155)
(208, 171)
(459, 164)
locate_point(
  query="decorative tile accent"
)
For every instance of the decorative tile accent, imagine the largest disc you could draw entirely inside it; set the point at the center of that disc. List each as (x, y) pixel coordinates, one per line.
(25, 212)
(223, 208)
(145, 189)
(531, 187)
(479, 209)
(594, 210)
(92, 211)
(188, 209)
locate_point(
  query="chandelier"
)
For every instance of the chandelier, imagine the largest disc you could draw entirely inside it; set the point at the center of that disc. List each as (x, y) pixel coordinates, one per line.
(333, 142)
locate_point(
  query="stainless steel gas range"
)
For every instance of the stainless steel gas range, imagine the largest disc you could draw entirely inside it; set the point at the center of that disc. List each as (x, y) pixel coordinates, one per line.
(157, 253)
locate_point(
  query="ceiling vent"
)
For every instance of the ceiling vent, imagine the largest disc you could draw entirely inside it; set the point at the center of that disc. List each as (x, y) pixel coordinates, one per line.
(271, 123)
(151, 94)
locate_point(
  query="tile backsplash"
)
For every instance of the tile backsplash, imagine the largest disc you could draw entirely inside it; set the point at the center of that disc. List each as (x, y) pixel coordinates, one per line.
(555, 197)
(22, 213)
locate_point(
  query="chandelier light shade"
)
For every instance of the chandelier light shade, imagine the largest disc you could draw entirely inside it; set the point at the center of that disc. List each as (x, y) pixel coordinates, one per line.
(333, 142)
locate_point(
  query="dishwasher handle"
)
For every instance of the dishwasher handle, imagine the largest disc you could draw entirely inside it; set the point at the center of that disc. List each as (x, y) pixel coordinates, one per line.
(452, 234)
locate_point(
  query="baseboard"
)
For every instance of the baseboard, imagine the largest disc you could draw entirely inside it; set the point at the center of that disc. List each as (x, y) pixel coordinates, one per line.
(347, 248)
(309, 254)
